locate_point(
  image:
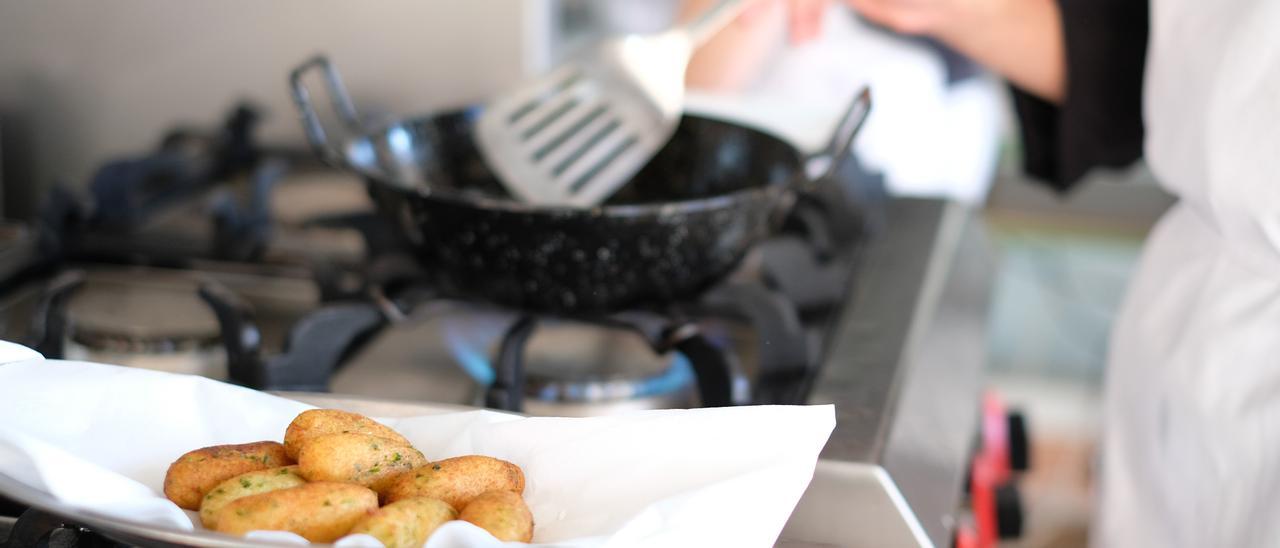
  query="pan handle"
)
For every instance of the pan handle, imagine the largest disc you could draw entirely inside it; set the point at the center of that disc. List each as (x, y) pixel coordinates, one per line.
(842, 138)
(339, 98)
(805, 204)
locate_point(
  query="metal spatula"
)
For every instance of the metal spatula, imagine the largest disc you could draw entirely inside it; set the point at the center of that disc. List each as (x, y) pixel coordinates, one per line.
(578, 133)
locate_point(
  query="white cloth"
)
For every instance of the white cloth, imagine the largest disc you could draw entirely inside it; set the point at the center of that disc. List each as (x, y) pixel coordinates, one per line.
(14, 353)
(915, 113)
(100, 437)
(1191, 451)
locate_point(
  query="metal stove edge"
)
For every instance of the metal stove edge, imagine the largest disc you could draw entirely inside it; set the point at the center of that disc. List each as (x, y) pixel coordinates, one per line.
(905, 373)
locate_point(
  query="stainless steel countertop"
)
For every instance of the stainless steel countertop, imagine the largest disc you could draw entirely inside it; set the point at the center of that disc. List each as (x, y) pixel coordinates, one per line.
(905, 375)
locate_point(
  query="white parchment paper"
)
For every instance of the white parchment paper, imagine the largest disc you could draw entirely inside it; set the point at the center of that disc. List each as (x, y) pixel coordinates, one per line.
(101, 437)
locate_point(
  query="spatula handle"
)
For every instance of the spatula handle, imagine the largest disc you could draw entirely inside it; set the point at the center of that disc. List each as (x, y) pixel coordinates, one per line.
(715, 18)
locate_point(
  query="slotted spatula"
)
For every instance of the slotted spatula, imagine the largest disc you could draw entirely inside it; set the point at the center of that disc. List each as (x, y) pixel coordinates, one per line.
(578, 133)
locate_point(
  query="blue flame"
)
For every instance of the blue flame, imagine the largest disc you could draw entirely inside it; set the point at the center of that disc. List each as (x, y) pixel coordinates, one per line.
(400, 140)
(477, 364)
(473, 361)
(675, 378)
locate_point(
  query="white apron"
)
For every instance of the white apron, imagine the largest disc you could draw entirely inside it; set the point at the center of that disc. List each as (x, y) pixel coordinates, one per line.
(1191, 451)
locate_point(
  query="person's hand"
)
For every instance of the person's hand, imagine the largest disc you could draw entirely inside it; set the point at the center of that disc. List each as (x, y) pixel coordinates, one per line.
(804, 19)
(735, 56)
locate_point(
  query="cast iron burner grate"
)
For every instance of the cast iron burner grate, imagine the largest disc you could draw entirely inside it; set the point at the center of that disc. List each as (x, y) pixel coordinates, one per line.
(35, 528)
(319, 343)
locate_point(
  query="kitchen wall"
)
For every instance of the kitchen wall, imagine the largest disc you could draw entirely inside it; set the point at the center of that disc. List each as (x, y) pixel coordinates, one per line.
(83, 81)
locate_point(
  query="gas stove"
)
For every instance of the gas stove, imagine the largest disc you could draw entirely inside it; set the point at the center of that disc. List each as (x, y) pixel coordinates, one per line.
(296, 321)
(225, 258)
(216, 256)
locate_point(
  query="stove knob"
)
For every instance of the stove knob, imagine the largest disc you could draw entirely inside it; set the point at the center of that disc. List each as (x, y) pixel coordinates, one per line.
(1019, 445)
(1008, 511)
(966, 537)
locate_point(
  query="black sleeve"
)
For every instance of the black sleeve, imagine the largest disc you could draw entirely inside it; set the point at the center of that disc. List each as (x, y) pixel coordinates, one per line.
(1100, 120)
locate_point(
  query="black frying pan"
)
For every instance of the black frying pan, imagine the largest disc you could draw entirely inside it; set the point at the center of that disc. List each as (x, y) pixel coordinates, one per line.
(681, 224)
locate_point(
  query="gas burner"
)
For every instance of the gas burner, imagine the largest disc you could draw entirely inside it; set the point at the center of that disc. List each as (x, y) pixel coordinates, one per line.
(714, 368)
(154, 323)
(157, 318)
(579, 370)
(571, 368)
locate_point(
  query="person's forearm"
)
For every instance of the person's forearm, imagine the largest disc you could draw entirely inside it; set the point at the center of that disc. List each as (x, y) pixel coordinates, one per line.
(1024, 44)
(1021, 40)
